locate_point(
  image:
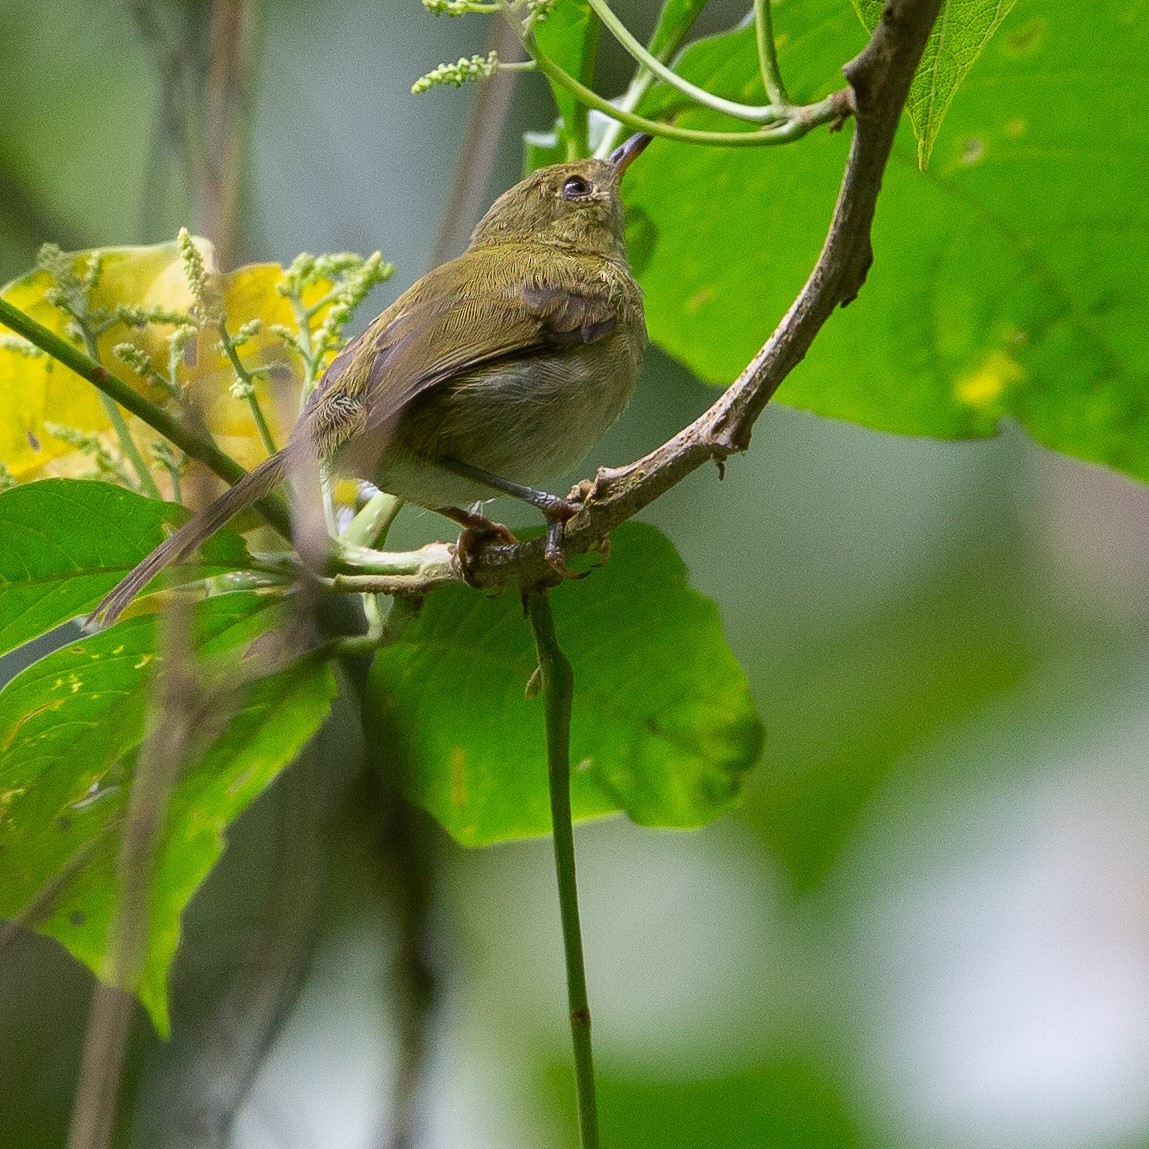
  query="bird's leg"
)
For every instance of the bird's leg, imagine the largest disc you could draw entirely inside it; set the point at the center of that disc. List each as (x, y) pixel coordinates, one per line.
(476, 529)
(557, 511)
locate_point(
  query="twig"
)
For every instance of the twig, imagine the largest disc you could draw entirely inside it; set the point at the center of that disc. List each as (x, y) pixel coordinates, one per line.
(407, 862)
(213, 1068)
(101, 1066)
(558, 692)
(224, 94)
(193, 445)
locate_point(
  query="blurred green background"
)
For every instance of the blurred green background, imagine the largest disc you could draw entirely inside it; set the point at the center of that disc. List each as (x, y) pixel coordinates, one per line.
(927, 924)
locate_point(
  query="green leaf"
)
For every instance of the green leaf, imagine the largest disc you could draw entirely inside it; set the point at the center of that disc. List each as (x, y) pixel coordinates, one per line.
(64, 543)
(1002, 288)
(70, 728)
(663, 724)
(959, 37)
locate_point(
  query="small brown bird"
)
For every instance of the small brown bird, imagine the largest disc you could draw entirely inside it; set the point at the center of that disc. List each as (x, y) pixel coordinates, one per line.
(492, 373)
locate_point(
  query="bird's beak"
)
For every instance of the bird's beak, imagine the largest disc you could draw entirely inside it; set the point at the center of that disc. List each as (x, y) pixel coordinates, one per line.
(624, 154)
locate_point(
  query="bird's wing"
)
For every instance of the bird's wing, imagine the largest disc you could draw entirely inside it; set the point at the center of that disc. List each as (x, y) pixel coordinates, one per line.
(434, 332)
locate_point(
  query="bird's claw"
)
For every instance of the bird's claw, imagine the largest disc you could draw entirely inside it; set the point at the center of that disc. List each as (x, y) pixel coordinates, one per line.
(557, 517)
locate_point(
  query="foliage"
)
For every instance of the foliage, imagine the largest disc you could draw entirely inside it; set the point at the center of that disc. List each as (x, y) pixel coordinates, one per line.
(664, 727)
(958, 38)
(1007, 323)
(67, 541)
(977, 311)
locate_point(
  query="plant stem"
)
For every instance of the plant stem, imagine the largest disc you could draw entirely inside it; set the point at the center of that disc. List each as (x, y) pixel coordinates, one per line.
(261, 423)
(673, 25)
(129, 448)
(248, 379)
(796, 121)
(119, 423)
(173, 721)
(194, 446)
(768, 54)
(558, 693)
(370, 526)
(755, 114)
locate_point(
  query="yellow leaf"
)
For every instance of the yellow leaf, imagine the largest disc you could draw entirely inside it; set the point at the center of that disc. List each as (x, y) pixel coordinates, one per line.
(36, 389)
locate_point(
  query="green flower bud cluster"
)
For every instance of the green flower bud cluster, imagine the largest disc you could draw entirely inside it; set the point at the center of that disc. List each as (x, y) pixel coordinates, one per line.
(474, 68)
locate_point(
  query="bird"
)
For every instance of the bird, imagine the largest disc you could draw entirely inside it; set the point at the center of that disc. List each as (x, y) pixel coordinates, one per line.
(494, 372)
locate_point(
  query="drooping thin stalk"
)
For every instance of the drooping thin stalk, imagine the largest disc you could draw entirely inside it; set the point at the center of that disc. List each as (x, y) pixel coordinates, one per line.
(193, 445)
(753, 113)
(558, 693)
(768, 54)
(794, 122)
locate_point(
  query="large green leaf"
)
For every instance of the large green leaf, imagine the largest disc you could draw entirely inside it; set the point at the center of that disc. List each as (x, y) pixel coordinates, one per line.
(1008, 281)
(959, 37)
(663, 724)
(64, 543)
(70, 729)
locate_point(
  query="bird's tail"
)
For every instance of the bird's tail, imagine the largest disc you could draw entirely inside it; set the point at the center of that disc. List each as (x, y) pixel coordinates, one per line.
(253, 486)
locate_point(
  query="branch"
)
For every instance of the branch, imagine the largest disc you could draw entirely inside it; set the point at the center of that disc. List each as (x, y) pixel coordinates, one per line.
(879, 81)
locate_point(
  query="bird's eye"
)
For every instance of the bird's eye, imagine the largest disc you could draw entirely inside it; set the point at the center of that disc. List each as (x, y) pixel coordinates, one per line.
(575, 188)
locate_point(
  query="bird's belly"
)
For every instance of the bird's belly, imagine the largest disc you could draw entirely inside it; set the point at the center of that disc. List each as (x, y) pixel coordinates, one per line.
(525, 420)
